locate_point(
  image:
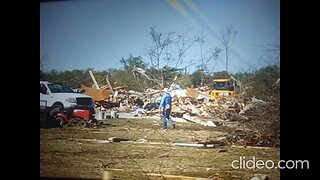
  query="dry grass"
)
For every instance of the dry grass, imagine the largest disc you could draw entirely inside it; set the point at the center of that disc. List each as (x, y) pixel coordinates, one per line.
(73, 152)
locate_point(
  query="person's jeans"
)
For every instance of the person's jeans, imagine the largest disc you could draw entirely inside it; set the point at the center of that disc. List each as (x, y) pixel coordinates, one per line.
(166, 117)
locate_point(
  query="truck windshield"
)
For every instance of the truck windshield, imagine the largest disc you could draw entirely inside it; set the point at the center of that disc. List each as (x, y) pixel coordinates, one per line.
(222, 86)
(60, 88)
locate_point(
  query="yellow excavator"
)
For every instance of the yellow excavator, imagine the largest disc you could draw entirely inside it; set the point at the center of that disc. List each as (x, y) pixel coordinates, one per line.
(224, 89)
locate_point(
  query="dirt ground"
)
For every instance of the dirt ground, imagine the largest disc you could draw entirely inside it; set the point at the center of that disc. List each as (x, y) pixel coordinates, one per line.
(86, 153)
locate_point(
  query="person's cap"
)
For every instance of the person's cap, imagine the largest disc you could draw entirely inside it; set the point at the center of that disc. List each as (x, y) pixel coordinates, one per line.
(165, 90)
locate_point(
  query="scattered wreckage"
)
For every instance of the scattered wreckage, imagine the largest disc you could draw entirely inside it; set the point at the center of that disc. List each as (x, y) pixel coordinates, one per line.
(202, 105)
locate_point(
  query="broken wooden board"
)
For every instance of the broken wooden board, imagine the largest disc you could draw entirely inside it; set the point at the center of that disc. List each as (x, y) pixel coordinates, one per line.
(196, 145)
(169, 176)
(96, 94)
(196, 95)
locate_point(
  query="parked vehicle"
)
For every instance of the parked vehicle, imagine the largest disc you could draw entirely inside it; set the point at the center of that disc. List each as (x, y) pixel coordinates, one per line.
(59, 97)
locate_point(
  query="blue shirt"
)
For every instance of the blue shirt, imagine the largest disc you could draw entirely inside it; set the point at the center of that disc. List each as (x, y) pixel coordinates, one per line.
(165, 101)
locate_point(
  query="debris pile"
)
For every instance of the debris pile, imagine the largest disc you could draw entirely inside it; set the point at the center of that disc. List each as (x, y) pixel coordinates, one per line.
(261, 127)
(255, 122)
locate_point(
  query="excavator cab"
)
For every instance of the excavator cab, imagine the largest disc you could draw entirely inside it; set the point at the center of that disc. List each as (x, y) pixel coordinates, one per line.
(224, 89)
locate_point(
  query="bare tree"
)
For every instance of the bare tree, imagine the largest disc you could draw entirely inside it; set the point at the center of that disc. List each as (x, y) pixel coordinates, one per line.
(201, 41)
(168, 50)
(157, 50)
(183, 43)
(227, 37)
(204, 61)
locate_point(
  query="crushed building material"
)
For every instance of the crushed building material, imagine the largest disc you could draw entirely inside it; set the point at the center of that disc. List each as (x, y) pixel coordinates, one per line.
(96, 94)
(196, 145)
(194, 105)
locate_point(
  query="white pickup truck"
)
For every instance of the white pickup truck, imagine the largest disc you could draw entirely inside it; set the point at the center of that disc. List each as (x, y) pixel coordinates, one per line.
(61, 96)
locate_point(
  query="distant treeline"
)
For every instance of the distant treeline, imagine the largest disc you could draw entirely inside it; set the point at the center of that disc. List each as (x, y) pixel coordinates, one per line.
(263, 83)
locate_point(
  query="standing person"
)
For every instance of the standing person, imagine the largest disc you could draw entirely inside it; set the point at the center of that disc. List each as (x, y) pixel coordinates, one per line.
(165, 108)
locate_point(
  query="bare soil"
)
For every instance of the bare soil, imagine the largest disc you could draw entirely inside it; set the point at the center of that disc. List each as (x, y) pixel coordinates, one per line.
(150, 153)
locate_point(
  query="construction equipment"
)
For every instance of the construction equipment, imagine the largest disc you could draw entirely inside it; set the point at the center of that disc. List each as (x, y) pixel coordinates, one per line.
(224, 89)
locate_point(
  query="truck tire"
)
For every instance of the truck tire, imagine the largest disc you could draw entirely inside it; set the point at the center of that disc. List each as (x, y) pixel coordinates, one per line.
(55, 109)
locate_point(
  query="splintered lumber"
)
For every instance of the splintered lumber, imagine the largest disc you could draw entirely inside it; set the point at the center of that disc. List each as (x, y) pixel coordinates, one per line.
(176, 109)
(96, 94)
(192, 93)
(107, 78)
(196, 145)
(143, 73)
(194, 109)
(239, 116)
(196, 95)
(94, 80)
(173, 83)
(118, 87)
(192, 119)
(163, 155)
(175, 176)
(107, 175)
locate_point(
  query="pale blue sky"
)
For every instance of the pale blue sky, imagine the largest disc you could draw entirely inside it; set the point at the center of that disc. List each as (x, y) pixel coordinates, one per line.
(98, 33)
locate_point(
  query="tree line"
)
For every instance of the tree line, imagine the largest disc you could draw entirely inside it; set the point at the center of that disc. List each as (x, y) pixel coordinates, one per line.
(262, 83)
